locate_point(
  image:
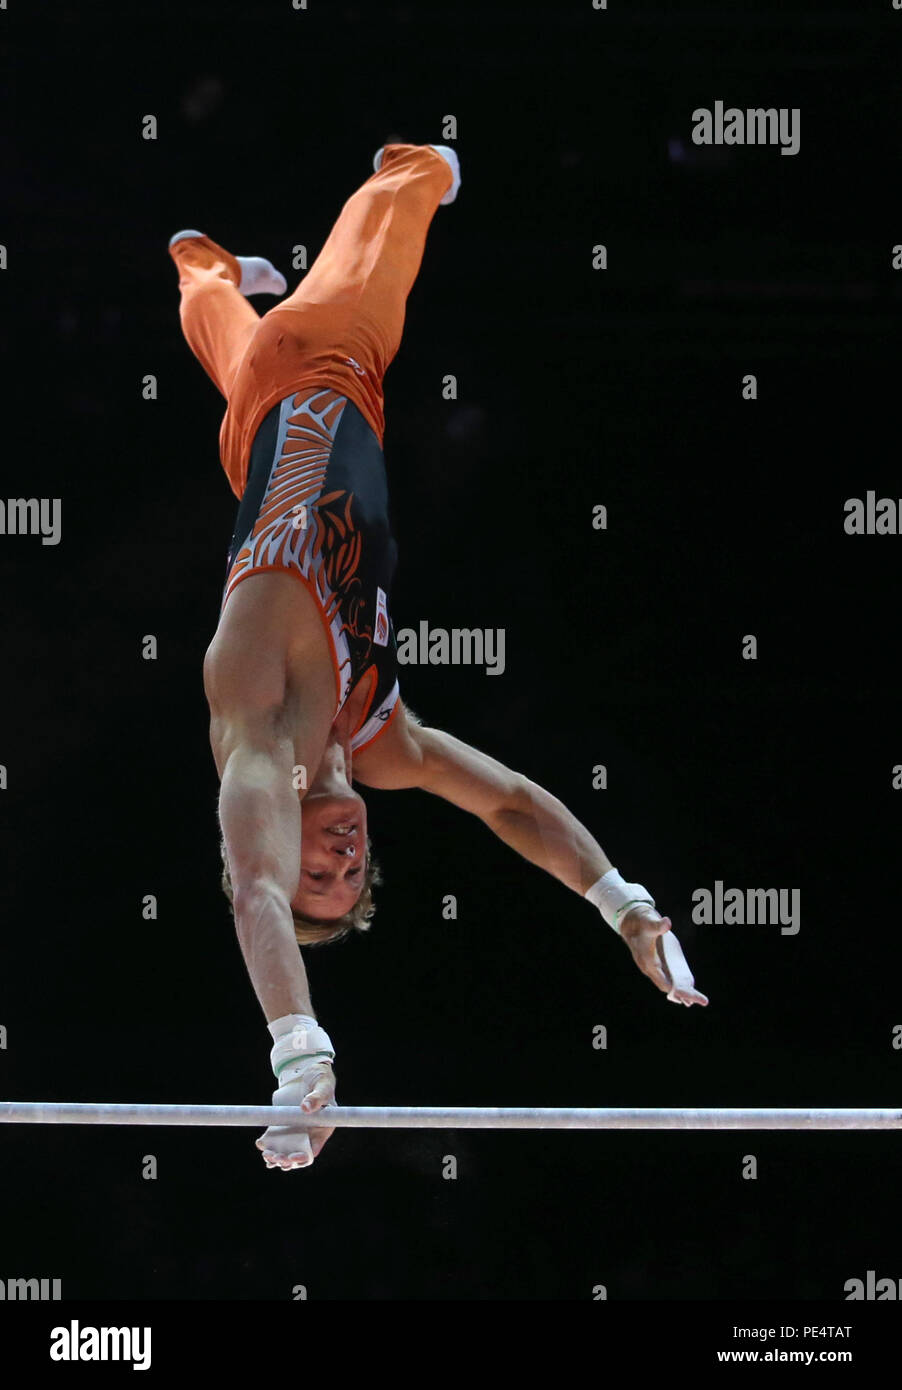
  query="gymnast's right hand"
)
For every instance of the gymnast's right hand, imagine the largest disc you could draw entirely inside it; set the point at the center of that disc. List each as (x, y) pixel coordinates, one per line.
(294, 1146)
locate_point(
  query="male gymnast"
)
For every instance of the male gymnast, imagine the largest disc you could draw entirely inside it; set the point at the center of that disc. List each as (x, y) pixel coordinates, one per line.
(301, 677)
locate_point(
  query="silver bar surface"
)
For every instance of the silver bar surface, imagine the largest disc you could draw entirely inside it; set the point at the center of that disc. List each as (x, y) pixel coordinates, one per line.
(443, 1117)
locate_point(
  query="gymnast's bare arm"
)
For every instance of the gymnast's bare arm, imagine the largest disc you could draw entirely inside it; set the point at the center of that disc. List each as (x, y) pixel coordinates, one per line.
(261, 728)
(522, 814)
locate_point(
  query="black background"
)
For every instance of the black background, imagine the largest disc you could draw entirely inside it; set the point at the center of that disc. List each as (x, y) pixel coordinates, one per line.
(577, 387)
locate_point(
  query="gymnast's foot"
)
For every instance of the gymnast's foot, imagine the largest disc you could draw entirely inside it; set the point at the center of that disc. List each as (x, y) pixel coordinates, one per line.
(447, 154)
(258, 276)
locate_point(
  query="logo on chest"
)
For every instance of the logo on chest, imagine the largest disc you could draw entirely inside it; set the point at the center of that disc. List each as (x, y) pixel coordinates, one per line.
(380, 636)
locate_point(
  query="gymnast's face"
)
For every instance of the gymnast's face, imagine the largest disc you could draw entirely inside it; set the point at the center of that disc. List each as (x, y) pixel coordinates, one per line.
(333, 854)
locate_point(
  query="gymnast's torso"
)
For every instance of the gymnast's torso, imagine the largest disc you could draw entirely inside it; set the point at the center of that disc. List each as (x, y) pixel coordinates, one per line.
(316, 505)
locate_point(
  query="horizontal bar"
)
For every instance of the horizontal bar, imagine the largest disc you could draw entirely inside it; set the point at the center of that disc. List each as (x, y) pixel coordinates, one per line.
(440, 1117)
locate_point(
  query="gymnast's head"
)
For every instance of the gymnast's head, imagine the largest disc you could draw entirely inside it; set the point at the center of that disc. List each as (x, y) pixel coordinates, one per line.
(338, 872)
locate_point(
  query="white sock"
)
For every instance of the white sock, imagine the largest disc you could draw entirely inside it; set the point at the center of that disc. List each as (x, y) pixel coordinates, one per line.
(259, 276)
(450, 158)
(183, 236)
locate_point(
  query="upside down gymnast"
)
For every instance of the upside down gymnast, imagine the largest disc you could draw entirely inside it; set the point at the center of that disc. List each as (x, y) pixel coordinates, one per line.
(301, 677)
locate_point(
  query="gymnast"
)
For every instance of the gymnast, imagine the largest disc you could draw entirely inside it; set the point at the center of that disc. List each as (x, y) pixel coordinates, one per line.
(301, 677)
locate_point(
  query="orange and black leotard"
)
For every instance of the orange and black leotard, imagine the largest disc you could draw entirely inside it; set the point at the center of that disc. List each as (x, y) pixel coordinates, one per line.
(316, 504)
(301, 440)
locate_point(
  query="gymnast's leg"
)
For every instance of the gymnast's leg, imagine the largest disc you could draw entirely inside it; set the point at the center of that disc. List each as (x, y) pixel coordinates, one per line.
(355, 293)
(217, 320)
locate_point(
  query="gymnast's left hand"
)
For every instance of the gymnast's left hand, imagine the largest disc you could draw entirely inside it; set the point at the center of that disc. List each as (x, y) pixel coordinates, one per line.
(294, 1146)
(641, 929)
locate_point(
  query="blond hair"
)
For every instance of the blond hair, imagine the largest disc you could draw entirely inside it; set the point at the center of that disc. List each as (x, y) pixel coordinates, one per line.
(318, 933)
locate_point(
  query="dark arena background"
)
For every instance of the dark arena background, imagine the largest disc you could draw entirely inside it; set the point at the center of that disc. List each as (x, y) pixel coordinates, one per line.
(602, 291)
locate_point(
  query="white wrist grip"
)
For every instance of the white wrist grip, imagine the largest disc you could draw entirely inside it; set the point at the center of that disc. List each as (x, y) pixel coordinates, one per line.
(612, 895)
(299, 1041)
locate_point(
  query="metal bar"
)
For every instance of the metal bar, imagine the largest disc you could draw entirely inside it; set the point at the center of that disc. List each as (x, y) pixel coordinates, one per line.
(442, 1117)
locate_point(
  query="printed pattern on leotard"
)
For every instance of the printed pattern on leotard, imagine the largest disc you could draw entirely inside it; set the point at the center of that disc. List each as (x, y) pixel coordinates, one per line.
(338, 545)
